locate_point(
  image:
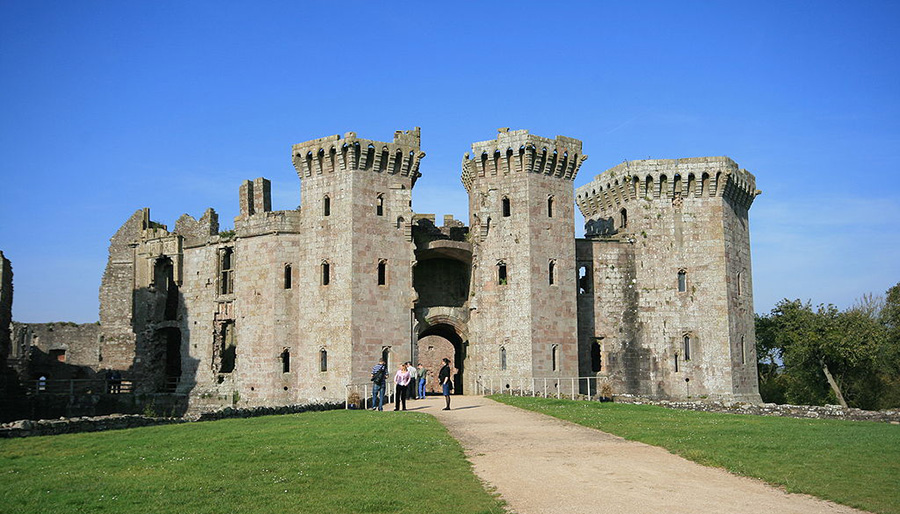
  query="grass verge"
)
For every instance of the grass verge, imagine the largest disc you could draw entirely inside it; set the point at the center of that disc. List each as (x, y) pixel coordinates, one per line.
(337, 461)
(855, 463)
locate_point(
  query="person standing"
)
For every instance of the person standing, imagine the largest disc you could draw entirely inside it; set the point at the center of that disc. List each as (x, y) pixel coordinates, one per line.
(444, 379)
(401, 378)
(422, 373)
(379, 376)
(413, 391)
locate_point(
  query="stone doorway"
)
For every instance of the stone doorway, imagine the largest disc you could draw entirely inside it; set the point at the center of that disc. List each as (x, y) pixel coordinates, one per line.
(436, 343)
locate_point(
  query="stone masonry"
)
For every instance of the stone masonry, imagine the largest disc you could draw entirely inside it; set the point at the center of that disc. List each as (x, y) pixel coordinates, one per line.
(293, 306)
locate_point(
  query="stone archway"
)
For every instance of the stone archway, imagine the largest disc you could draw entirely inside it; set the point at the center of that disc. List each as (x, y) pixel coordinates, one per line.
(439, 341)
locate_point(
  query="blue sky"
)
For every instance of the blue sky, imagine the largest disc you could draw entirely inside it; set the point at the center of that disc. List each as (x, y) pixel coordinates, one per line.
(108, 107)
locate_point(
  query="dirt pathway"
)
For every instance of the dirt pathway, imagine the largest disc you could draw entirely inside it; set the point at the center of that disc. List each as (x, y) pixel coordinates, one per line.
(540, 464)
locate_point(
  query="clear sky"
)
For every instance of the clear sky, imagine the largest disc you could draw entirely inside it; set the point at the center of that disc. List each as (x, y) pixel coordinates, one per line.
(108, 107)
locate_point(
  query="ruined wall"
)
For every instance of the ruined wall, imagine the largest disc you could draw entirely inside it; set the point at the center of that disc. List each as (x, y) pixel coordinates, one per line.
(510, 182)
(6, 298)
(60, 350)
(670, 228)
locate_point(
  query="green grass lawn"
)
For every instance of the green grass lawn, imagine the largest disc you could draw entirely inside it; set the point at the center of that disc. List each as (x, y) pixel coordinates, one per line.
(851, 462)
(322, 462)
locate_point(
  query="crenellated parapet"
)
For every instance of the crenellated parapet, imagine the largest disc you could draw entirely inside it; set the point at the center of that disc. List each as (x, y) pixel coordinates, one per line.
(335, 153)
(674, 179)
(518, 151)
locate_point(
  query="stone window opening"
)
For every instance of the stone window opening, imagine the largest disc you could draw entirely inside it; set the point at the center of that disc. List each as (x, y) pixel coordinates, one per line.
(686, 340)
(550, 206)
(584, 280)
(554, 357)
(226, 348)
(743, 351)
(506, 207)
(58, 355)
(676, 363)
(286, 360)
(597, 355)
(382, 272)
(551, 271)
(400, 222)
(379, 205)
(623, 218)
(326, 205)
(502, 358)
(740, 283)
(386, 357)
(323, 360)
(502, 278)
(682, 281)
(287, 276)
(226, 271)
(326, 273)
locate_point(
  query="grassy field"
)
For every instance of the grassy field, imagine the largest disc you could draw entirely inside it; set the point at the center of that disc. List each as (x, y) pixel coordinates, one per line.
(328, 462)
(850, 462)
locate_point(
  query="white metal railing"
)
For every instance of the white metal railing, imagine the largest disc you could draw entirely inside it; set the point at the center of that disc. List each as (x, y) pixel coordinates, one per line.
(545, 387)
(359, 396)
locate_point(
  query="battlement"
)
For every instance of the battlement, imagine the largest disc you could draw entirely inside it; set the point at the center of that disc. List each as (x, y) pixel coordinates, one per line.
(518, 151)
(333, 153)
(669, 179)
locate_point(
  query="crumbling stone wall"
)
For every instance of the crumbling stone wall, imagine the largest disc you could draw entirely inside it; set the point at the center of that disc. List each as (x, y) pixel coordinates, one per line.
(60, 350)
(6, 297)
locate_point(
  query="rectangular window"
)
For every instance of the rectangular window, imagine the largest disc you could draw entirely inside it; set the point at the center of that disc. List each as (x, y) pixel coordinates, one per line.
(323, 360)
(326, 273)
(501, 274)
(286, 361)
(382, 273)
(551, 270)
(287, 276)
(226, 271)
(687, 348)
(682, 283)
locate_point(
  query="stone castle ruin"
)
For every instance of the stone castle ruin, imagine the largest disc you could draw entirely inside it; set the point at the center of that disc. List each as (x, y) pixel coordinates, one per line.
(294, 305)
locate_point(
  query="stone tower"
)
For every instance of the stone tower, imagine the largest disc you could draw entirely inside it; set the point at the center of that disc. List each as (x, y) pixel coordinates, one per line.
(357, 210)
(665, 296)
(523, 321)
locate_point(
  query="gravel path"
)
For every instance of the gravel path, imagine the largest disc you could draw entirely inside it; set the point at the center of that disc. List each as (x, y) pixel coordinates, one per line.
(540, 464)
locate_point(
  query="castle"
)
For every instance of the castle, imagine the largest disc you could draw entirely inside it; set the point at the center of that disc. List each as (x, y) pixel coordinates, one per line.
(294, 305)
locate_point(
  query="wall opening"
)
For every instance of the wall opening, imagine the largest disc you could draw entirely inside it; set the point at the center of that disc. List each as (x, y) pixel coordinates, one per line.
(227, 347)
(502, 358)
(551, 272)
(682, 281)
(686, 340)
(506, 207)
(554, 357)
(382, 272)
(326, 273)
(172, 337)
(550, 207)
(449, 344)
(379, 205)
(323, 360)
(501, 273)
(57, 355)
(676, 363)
(584, 279)
(326, 206)
(286, 360)
(623, 218)
(226, 271)
(596, 357)
(287, 276)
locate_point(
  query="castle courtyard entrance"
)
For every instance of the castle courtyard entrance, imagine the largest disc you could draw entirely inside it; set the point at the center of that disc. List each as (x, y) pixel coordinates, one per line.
(436, 343)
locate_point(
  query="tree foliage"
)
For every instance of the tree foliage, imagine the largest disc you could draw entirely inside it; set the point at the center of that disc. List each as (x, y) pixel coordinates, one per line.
(821, 355)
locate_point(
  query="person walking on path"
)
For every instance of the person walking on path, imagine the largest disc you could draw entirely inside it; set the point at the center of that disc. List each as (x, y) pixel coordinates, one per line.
(413, 391)
(379, 376)
(444, 379)
(401, 378)
(422, 373)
